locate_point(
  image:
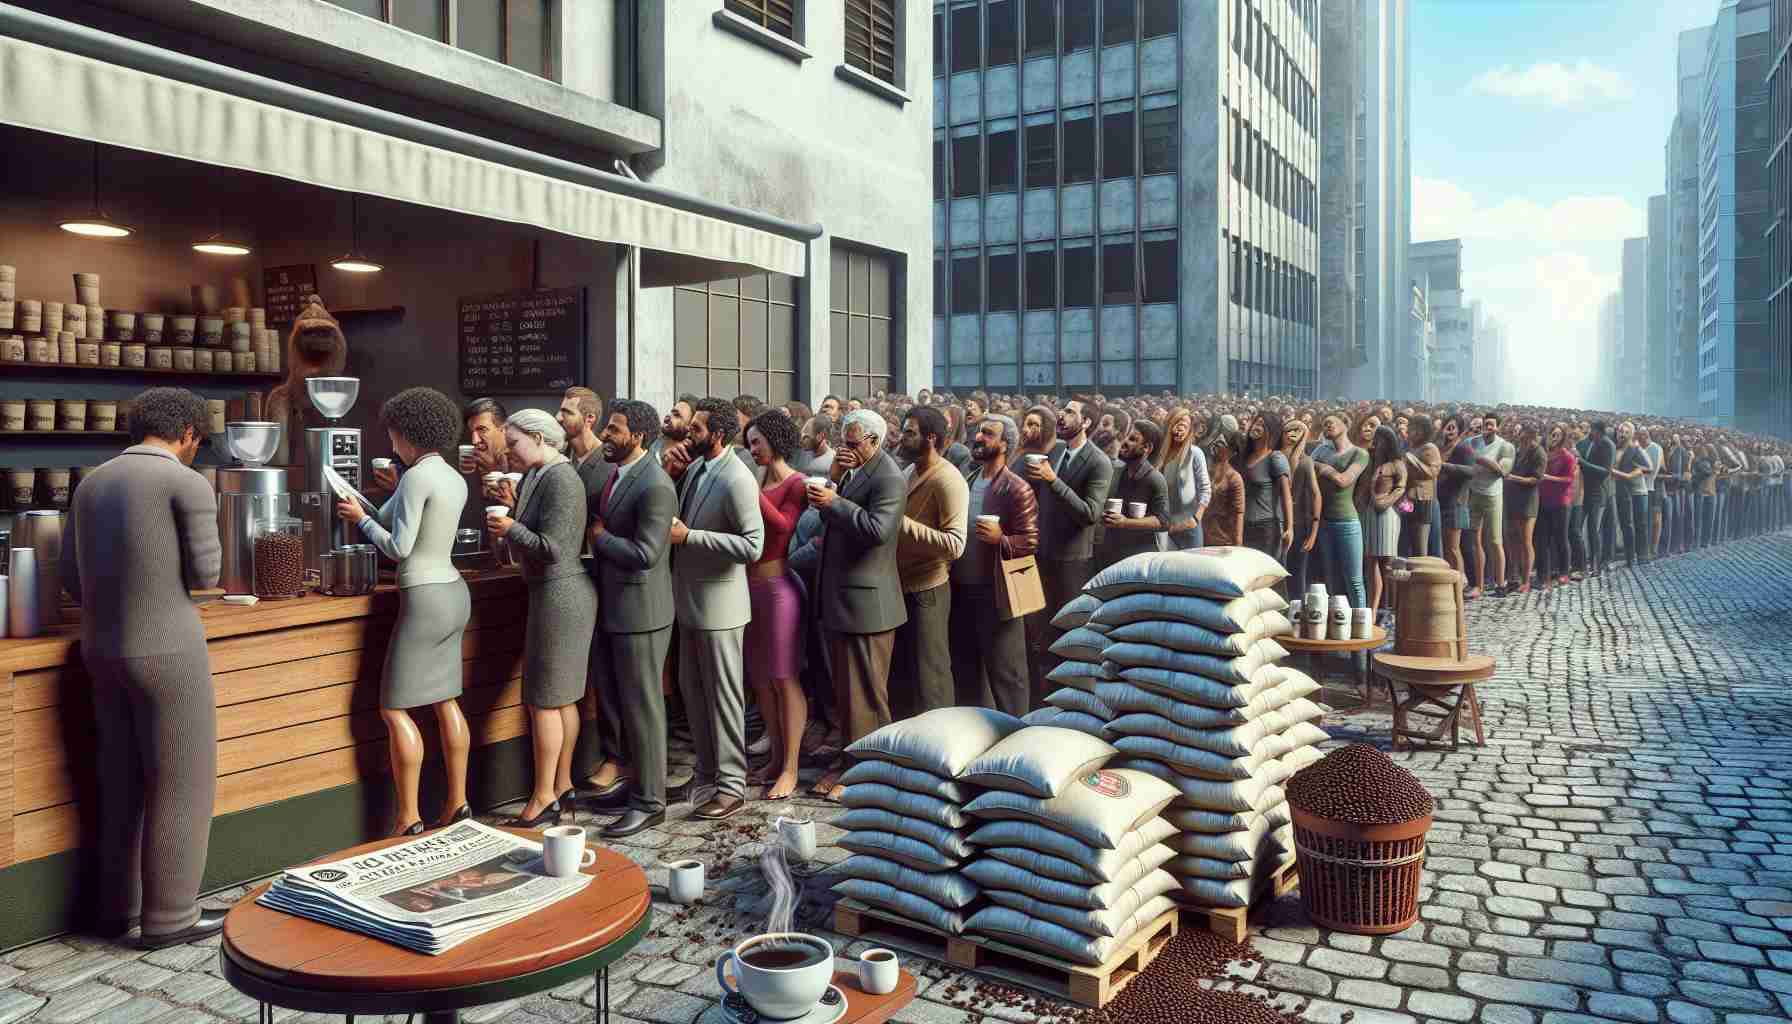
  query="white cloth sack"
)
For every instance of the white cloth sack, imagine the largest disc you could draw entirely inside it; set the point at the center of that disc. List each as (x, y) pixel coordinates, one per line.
(1099, 808)
(950, 842)
(1078, 675)
(1080, 644)
(905, 803)
(1071, 699)
(994, 873)
(1229, 616)
(942, 741)
(1233, 740)
(1223, 573)
(890, 774)
(1207, 764)
(1118, 919)
(1075, 721)
(902, 904)
(1038, 760)
(1076, 612)
(1126, 697)
(949, 889)
(899, 848)
(1272, 804)
(1201, 794)
(1016, 928)
(1188, 637)
(1200, 689)
(1229, 846)
(1236, 670)
(1007, 840)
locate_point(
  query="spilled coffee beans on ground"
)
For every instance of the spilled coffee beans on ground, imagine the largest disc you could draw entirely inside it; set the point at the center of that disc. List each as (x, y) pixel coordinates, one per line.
(1360, 785)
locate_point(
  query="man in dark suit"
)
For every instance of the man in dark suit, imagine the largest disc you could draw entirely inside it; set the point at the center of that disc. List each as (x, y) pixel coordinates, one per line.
(628, 538)
(1072, 485)
(858, 588)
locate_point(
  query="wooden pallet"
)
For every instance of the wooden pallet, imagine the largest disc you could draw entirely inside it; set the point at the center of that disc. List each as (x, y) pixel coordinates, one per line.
(999, 961)
(1233, 922)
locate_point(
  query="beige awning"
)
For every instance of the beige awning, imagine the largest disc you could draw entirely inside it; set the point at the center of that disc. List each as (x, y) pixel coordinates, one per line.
(68, 94)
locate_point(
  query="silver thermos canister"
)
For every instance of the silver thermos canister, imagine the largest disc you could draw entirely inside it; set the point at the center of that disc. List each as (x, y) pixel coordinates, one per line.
(245, 496)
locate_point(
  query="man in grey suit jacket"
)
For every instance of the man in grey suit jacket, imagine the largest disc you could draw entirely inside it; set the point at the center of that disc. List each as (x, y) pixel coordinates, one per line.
(718, 532)
(1072, 486)
(143, 531)
(858, 589)
(629, 534)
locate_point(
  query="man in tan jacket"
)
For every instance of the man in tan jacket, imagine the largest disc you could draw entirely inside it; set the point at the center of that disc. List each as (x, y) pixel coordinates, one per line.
(933, 536)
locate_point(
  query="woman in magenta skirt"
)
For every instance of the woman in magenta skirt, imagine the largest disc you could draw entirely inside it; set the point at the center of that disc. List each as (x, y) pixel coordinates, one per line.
(774, 640)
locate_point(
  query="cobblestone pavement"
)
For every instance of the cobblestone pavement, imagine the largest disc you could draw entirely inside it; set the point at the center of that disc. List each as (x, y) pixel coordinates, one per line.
(1621, 850)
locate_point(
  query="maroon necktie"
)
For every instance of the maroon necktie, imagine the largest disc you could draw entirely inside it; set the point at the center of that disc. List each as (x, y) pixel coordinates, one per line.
(603, 502)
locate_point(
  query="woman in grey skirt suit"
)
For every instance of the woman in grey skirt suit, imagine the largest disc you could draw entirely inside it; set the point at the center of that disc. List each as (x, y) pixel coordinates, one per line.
(545, 535)
(415, 528)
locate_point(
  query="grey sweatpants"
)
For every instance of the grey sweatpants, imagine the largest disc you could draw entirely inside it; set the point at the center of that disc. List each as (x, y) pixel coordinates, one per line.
(156, 766)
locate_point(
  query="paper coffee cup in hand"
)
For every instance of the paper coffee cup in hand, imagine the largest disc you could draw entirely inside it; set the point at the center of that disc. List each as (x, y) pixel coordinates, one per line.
(496, 510)
(382, 463)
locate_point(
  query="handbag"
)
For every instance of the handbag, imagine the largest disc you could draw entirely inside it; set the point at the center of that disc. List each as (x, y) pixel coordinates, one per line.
(1019, 590)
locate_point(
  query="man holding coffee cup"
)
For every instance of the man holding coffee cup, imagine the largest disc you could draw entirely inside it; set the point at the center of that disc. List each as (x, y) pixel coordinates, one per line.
(989, 653)
(1071, 486)
(1144, 497)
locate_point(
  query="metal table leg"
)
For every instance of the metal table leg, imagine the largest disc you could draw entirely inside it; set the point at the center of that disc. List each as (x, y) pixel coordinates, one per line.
(602, 996)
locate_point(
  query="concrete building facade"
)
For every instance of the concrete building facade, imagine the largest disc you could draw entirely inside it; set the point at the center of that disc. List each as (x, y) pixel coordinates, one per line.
(1603, 389)
(1437, 266)
(1632, 357)
(1683, 224)
(1126, 195)
(1420, 346)
(1779, 228)
(1655, 400)
(1736, 386)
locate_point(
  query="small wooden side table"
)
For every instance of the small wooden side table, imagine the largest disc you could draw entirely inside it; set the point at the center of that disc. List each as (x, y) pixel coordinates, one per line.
(1313, 649)
(282, 960)
(1444, 684)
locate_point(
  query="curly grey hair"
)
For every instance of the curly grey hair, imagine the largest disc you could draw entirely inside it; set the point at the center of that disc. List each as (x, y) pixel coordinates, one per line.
(166, 413)
(869, 423)
(534, 421)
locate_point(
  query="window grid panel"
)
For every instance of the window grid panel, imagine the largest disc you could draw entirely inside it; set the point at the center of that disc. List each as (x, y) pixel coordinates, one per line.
(773, 15)
(871, 37)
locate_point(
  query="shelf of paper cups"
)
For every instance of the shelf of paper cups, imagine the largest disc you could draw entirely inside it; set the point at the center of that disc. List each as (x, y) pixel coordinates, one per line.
(46, 416)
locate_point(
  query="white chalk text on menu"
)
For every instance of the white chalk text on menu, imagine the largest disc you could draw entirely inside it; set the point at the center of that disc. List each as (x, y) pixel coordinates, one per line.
(522, 342)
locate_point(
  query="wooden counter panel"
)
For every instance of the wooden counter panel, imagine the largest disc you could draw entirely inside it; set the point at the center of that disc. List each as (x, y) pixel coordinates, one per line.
(43, 687)
(240, 717)
(7, 694)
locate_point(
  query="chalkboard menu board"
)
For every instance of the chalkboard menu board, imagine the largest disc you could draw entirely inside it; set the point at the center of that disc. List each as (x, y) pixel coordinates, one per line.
(283, 290)
(522, 342)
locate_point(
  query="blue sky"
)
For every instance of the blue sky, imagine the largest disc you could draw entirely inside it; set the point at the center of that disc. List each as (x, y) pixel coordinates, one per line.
(1538, 129)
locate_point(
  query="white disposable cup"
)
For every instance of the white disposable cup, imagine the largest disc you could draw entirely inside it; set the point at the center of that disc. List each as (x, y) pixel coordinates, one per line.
(684, 881)
(1362, 623)
(497, 510)
(1116, 506)
(879, 971)
(1135, 510)
(818, 482)
(563, 851)
(491, 479)
(991, 520)
(1035, 459)
(382, 463)
(798, 835)
(515, 478)
(466, 457)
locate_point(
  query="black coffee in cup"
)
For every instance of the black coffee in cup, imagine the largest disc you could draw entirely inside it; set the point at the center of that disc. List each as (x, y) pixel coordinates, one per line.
(785, 955)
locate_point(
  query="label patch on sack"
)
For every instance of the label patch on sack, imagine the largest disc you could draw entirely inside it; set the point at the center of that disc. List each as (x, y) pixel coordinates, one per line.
(1109, 784)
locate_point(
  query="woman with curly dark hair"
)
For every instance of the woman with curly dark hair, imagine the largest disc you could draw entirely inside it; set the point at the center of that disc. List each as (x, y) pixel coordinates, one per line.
(415, 528)
(774, 640)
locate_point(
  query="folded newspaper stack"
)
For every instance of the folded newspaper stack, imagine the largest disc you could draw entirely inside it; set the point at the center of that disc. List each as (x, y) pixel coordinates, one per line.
(430, 894)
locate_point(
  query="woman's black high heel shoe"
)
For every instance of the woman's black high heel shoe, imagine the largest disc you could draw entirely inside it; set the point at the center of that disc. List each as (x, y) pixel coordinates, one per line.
(415, 828)
(550, 815)
(462, 813)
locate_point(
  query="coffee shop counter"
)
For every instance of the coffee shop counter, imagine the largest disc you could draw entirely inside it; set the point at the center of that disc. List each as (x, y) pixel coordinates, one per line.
(302, 765)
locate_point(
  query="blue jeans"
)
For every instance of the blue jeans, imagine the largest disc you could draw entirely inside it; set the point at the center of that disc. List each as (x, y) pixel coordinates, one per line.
(1707, 519)
(1577, 538)
(1340, 553)
(1633, 516)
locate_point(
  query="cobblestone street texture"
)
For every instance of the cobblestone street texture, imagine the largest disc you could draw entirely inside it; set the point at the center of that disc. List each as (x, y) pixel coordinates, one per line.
(1621, 850)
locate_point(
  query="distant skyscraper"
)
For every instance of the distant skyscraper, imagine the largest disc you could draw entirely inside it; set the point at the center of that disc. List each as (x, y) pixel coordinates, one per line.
(1126, 195)
(1683, 225)
(1736, 384)
(1604, 391)
(1367, 175)
(1437, 266)
(1779, 174)
(1632, 379)
(1656, 401)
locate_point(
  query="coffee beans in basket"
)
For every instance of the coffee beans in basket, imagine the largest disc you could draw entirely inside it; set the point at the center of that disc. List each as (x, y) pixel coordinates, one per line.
(1360, 785)
(279, 565)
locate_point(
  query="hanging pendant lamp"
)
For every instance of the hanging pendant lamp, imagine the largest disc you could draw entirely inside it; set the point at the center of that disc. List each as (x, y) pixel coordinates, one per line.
(354, 261)
(218, 243)
(95, 224)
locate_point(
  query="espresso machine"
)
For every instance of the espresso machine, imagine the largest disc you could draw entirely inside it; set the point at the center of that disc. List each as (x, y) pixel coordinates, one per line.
(249, 494)
(334, 446)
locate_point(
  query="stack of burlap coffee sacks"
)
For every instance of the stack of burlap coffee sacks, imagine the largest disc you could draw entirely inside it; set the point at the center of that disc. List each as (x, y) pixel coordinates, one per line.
(1174, 654)
(906, 823)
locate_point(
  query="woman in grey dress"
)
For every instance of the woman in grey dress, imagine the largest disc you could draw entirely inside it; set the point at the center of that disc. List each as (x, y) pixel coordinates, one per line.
(545, 536)
(415, 528)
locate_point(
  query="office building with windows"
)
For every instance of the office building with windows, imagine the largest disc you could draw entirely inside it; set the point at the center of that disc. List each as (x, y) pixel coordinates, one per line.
(1632, 366)
(1366, 208)
(1736, 386)
(1603, 393)
(1683, 224)
(1437, 267)
(1779, 227)
(1126, 195)
(1655, 400)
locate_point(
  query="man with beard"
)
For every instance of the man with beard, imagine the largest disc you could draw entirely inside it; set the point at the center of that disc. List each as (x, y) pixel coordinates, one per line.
(578, 415)
(1036, 436)
(857, 587)
(1139, 483)
(815, 454)
(989, 653)
(933, 536)
(719, 531)
(1071, 486)
(630, 530)
(832, 406)
(669, 446)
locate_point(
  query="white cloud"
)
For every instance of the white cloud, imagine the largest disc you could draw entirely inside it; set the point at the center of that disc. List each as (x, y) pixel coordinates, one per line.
(1444, 209)
(1556, 85)
(1550, 304)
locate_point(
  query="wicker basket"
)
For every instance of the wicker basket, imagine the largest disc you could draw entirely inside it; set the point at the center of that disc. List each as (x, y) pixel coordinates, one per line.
(1362, 879)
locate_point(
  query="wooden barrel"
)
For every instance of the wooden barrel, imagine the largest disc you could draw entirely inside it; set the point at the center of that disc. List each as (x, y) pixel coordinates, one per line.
(1427, 607)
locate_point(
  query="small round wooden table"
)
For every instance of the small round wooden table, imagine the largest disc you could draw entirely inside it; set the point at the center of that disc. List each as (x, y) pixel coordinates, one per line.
(1438, 690)
(282, 960)
(1314, 648)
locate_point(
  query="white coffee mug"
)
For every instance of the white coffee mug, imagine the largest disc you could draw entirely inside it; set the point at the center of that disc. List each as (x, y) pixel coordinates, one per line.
(563, 850)
(879, 971)
(798, 835)
(684, 880)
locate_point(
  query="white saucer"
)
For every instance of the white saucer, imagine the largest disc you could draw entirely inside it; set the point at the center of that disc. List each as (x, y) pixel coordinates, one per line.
(824, 1012)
